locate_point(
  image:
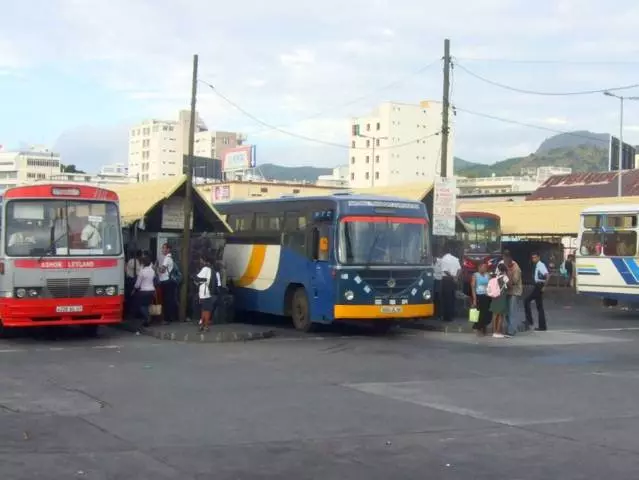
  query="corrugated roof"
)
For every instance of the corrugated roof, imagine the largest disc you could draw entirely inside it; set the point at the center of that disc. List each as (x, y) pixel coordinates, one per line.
(587, 185)
(413, 191)
(556, 217)
(137, 199)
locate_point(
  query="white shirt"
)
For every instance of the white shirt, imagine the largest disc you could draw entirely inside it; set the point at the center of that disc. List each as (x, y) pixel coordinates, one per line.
(133, 266)
(205, 274)
(437, 272)
(450, 264)
(541, 271)
(20, 238)
(144, 282)
(91, 236)
(167, 262)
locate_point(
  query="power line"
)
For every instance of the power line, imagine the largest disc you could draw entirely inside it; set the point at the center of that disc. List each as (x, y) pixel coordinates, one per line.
(305, 137)
(529, 125)
(534, 92)
(533, 61)
(355, 100)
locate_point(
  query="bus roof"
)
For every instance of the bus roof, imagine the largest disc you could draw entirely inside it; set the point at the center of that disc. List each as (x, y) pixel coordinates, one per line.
(337, 197)
(631, 208)
(60, 190)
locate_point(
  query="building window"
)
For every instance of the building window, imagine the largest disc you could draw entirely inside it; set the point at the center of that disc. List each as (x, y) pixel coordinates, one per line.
(352, 176)
(225, 140)
(296, 190)
(368, 159)
(378, 126)
(368, 127)
(146, 131)
(376, 158)
(368, 175)
(353, 144)
(264, 189)
(377, 142)
(376, 175)
(368, 143)
(352, 160)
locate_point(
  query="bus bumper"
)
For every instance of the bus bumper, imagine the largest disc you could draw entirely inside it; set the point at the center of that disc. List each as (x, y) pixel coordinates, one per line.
(43, 312)
(383, 312)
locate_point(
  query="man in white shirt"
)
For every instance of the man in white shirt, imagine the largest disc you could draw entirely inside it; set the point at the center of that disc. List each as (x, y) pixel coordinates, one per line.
(437, 285)
(90, 236)
(540, 277)
(169, 288)
(451, 269)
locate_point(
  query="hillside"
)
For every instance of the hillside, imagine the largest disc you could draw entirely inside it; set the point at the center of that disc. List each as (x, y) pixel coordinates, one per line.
(582, 151)
(271, 171)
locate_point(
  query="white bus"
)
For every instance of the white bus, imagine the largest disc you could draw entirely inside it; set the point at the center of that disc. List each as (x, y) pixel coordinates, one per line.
(607, 263)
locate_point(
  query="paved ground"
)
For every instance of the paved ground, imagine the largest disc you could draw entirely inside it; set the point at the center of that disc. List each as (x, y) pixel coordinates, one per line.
(333, 405)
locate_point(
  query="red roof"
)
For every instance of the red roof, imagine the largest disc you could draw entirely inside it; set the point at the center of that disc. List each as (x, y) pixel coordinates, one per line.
(587, 185)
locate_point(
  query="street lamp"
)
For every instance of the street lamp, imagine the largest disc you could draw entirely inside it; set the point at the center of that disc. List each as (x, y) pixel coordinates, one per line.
(375, 140)
(621, 100)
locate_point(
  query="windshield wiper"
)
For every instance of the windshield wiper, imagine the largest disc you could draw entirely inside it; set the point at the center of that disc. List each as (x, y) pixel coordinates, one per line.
(51, 246)
(372, 249)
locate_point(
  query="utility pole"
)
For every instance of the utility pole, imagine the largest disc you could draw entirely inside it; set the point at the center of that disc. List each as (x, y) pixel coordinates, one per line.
(446, 107)
(188, 200)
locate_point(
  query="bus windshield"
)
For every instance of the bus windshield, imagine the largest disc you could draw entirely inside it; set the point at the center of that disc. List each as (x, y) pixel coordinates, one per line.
(382, 241)
(482, 235)
(62, 228)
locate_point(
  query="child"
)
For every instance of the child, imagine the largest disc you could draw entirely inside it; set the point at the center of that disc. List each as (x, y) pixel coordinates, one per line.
(499, 304)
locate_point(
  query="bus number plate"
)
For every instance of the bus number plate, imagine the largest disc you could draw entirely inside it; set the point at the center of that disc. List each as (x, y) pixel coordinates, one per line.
(391, 309)
(69, 309)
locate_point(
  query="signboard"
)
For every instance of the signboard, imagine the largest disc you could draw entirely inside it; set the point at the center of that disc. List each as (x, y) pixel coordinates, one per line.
(238, 158)
(445, 207)
(628, 157)
(221, 193)
(173, 214)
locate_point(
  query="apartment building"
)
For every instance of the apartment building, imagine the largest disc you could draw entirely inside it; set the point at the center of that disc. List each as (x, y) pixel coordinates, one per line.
(157, 147)
(524, 184)
(339, 177)
(396, 144)
(26, 166)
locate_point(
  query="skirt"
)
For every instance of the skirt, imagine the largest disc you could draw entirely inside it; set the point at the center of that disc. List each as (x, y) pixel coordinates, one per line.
(499, 305)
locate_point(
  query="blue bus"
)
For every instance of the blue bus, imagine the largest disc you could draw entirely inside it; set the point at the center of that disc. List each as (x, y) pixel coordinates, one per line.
(325, 259)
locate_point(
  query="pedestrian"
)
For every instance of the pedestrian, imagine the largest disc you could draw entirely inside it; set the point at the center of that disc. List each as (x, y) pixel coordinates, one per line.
(209, 284)
(481, 300)
(145, 289)
(569, 265)
(451, 268)
(515, 291)
(497, 289)
(540, 276)
(133, 266)
(168, 286)
(437, 286)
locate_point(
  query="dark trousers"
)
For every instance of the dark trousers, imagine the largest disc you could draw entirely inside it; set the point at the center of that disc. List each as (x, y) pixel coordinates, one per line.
(169, 301)
(447, 298)
(143, 301)
(537, 296)
(437, 295)
(485, 317)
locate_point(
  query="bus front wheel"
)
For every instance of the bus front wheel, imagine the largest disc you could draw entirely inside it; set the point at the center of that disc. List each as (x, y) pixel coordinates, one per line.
(300, 311)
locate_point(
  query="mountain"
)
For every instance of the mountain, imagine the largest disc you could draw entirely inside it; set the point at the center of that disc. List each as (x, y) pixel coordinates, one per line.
(582, 151)
(271, 171)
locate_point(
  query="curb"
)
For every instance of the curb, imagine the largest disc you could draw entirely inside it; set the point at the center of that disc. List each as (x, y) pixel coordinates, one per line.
(454, 327)
(196, 337)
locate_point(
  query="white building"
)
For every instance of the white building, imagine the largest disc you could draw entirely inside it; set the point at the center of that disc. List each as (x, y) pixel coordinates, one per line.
(157, 147)
(397, 144)
(97, 180)
(526, 183)
(26, 166)
(115, 169)
(339, 177)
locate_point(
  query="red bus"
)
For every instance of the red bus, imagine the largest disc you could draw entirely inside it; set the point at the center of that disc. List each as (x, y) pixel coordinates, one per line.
(61, 257)
(481, 242)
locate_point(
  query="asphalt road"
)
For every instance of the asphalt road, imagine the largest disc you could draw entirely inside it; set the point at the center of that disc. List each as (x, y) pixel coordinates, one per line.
(561, 404)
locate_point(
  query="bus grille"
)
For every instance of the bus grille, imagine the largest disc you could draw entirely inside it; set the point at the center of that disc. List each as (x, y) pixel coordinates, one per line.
(379, 280)
(68, 287)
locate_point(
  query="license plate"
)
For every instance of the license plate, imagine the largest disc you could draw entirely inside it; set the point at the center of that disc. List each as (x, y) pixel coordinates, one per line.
(391, 309)
(69, 309)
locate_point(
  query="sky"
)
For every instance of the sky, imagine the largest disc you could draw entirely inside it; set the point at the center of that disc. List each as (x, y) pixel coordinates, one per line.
(75, 74)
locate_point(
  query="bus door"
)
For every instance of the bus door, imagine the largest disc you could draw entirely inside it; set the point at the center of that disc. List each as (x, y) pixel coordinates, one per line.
(321, 281)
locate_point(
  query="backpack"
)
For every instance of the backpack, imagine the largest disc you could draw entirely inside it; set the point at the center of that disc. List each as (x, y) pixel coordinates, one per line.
(175, 275)
(213, 288)
(493, 290)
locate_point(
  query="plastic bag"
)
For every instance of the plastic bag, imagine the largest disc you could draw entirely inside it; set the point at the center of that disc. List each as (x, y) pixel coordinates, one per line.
(473, 315)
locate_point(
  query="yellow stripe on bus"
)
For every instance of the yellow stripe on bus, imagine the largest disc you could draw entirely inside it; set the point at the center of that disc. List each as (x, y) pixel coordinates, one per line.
(254, 267)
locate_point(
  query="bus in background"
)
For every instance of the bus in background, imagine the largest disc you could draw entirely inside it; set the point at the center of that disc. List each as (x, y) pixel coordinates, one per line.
(606, 264)
(334, 258)
(480, 243)
(61, 259)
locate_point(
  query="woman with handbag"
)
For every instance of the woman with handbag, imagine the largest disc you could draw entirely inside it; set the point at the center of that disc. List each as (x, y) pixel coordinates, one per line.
(481, 300)
(145, 288)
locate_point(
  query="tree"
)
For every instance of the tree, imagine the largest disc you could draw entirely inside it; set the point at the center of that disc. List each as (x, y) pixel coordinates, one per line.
(71, 169)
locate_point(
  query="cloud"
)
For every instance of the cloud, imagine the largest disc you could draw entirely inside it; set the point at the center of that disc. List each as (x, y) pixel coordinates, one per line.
(297, 57)
(555, 121)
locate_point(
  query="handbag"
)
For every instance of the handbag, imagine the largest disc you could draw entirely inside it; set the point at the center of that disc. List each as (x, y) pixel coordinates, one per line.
(155, 309)
(473, 315)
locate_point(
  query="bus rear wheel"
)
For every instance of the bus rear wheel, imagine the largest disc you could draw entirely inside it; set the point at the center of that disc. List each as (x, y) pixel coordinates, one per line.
(300, 311)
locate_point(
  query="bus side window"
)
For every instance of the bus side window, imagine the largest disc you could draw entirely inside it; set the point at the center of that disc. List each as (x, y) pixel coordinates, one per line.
(294, 235)
(320, 243)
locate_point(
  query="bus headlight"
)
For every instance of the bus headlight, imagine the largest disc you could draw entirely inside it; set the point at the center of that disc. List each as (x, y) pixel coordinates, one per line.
(349, 295)
(21, 292)
(427, 295)
(111, 291)
(99, 291)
